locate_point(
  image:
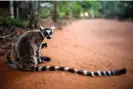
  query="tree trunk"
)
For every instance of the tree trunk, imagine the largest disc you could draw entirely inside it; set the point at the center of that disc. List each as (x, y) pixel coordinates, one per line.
(34, 15)
(11, 9)
(54, 14)
(17, 9)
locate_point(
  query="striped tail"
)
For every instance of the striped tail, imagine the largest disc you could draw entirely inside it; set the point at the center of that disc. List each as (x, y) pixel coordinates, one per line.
(81, 72)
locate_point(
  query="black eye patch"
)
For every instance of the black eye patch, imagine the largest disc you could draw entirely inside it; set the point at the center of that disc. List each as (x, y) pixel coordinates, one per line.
(45, 33)
(50, 32)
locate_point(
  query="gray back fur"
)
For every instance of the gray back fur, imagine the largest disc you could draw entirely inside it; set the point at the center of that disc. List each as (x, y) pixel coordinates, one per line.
(26, 49)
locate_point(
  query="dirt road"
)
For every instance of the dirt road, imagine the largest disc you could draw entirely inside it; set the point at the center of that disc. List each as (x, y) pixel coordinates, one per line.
(85, 44)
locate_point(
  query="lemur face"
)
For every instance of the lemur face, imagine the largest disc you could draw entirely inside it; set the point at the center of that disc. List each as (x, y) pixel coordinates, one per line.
(47, 32)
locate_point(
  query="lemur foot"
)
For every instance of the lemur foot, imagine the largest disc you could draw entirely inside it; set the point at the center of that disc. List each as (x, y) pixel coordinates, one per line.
(12, 66)
(44, 45)
(44, 59)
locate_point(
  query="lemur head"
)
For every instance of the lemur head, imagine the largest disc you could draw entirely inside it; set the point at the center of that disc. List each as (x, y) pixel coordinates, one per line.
(47, 32)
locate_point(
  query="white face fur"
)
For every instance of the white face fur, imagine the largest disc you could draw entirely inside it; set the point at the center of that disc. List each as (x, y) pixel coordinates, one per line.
(47, 32)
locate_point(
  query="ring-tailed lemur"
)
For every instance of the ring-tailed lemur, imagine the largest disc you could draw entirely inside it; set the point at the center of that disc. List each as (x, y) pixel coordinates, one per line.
(25, 55)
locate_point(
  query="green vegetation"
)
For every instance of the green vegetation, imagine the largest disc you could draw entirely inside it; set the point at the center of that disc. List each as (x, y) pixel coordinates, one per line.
(17, 22)
(67, 10)
(44, 12)
(14, 21)
(117, 9)
(95, 9)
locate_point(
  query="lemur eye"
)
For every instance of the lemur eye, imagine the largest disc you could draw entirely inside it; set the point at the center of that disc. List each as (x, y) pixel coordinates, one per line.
(45, 33)
(51, 33)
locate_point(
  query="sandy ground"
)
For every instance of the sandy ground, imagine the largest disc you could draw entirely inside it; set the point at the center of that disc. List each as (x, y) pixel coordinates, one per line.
(85, 44)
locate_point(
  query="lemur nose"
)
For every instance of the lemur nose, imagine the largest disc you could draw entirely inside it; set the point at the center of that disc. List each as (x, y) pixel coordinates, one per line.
(49, 37)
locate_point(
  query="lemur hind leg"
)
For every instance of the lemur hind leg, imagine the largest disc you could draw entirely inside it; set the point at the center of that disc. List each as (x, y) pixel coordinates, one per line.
(8, 57)
(9, 61)
(30, 69)
(30, 65)
(42, 59)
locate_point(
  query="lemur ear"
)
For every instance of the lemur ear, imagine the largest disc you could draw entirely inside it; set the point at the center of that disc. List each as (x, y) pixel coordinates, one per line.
(41, 28)
(53, 28)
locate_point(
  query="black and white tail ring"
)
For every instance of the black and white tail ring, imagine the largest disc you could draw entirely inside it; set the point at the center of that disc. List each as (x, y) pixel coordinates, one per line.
(81, 72)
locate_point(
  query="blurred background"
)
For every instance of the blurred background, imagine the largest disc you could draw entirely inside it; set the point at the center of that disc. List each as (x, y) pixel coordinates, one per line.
(28, 13)
(17, 17)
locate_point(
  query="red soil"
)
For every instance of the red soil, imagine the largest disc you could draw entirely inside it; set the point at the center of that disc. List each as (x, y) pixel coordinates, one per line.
(85, 44)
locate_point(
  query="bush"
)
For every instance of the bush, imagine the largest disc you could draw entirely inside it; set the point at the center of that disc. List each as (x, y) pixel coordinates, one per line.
(44, 13)
(96, 9)
(16, 22)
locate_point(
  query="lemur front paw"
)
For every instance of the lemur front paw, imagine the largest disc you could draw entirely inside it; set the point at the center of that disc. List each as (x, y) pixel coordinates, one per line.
(44, 45)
